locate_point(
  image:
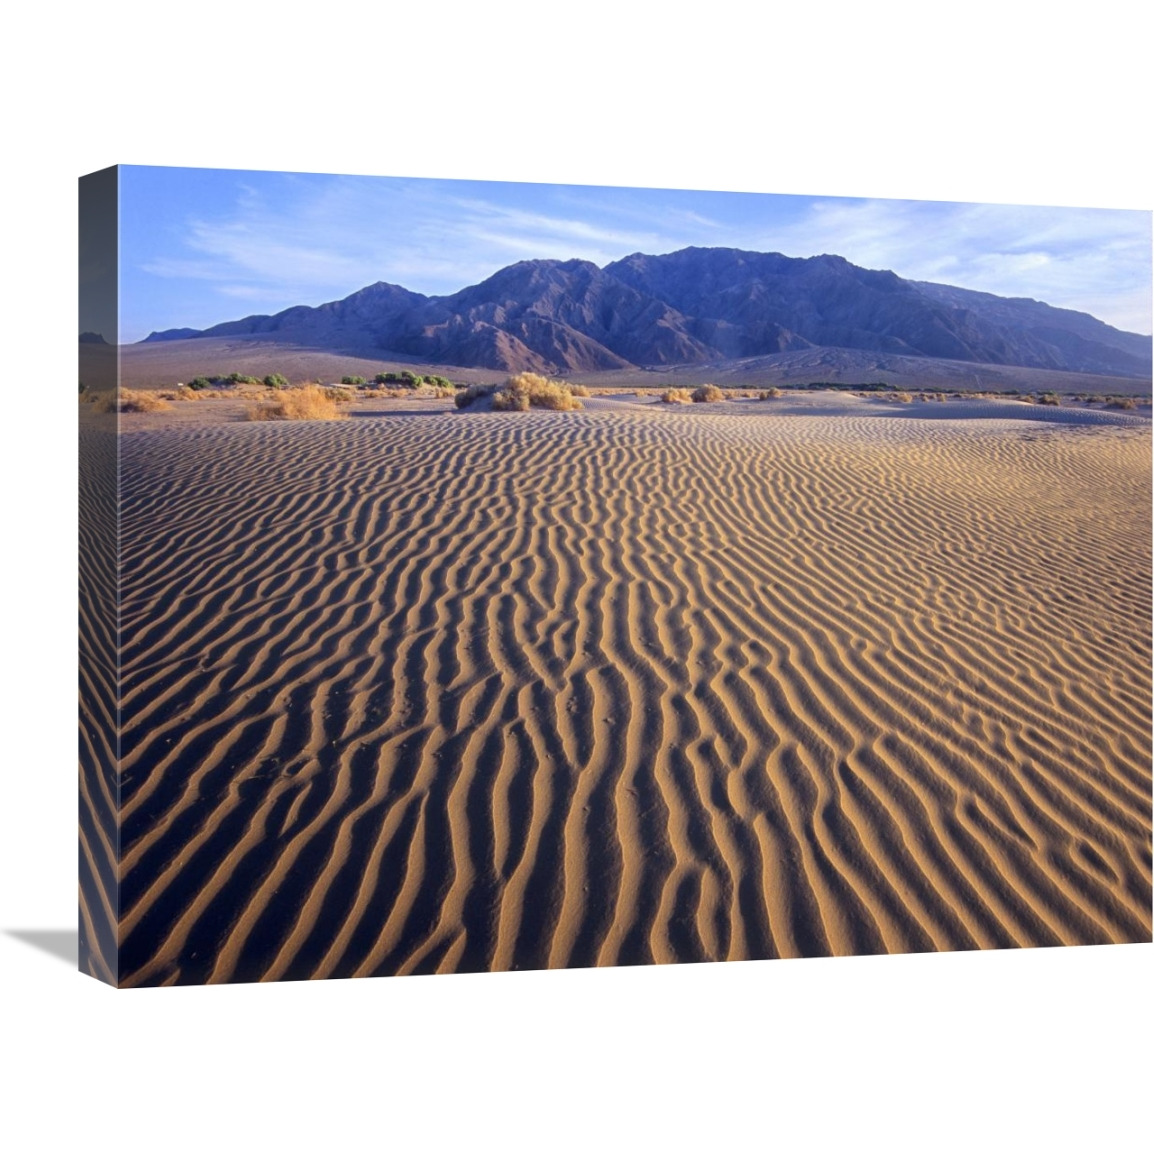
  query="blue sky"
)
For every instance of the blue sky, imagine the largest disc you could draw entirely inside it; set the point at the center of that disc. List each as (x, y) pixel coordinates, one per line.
(200, 246)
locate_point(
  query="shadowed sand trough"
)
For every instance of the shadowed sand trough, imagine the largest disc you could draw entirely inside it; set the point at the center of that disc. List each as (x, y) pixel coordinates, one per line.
(483, 692)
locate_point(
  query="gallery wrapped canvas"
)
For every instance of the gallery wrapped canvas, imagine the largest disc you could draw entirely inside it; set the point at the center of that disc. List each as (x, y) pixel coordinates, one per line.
(480, 576)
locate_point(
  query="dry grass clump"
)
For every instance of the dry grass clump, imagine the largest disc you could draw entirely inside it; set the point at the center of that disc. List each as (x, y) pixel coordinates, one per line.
(465, 397)
(130, 401)
(509, 401)
(770, 394)
(520, 393)
(706, 394)
(677, 397)
(309, 403)
(1049, 399)
(580, 391)
(1125, 403)
(388, 393)
(180, 394)
(541, 393)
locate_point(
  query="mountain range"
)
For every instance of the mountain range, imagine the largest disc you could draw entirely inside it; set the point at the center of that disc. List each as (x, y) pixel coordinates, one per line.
(695, 306)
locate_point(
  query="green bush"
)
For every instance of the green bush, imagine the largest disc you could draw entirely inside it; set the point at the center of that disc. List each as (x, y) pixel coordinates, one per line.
(198, 383)
(352, 380)
(276, 381)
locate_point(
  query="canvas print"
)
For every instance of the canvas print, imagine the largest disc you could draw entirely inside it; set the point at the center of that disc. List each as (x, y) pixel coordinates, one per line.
(482, 576)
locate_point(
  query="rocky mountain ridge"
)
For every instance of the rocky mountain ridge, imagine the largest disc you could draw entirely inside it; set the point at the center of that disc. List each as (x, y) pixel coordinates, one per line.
(696, 306)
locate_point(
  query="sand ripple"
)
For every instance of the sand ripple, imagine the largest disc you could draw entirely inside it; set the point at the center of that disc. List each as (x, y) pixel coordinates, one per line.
(99, 800)
(493, 692)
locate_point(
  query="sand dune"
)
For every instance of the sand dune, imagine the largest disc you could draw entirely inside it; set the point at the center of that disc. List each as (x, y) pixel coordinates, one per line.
(484, 692)
(97, 698)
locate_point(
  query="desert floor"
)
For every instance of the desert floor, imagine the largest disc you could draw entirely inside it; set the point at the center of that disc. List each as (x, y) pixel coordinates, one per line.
(434, 691)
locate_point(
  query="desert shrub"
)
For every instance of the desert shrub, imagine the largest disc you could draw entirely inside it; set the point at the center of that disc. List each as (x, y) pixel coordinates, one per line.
(241, 379)
(559, 400)
(275, 381)
(352, 380)
(539, 393)
(579, 391)
(441, 392)
(519, 394)
(901, 397)
(198, 383)
(1049, 399)
(376, 393)
(465, 397)
(706, 394)
(511, 400)
(309, 403)
(131, 401)
(410, 380)
(1125, 403)
(676, 397)
(770, 394)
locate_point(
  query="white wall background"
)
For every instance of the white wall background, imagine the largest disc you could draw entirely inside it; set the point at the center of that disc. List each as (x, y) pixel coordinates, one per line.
(1008, 101)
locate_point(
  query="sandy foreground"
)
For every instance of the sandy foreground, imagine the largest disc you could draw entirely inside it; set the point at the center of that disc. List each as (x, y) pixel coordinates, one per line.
(435, 691)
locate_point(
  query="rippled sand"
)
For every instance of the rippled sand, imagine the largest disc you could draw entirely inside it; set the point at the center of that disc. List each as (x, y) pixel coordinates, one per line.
(486, 692)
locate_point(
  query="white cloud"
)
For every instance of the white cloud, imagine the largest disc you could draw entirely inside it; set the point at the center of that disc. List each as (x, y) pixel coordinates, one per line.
(307, 240)
(1095, 261)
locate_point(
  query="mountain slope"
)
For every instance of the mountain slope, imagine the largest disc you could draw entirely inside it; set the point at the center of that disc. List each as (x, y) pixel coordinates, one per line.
(697, 306)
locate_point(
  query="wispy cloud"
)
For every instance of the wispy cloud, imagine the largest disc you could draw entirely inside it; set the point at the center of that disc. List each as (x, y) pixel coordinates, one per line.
(1096, 261)
(280, 239)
